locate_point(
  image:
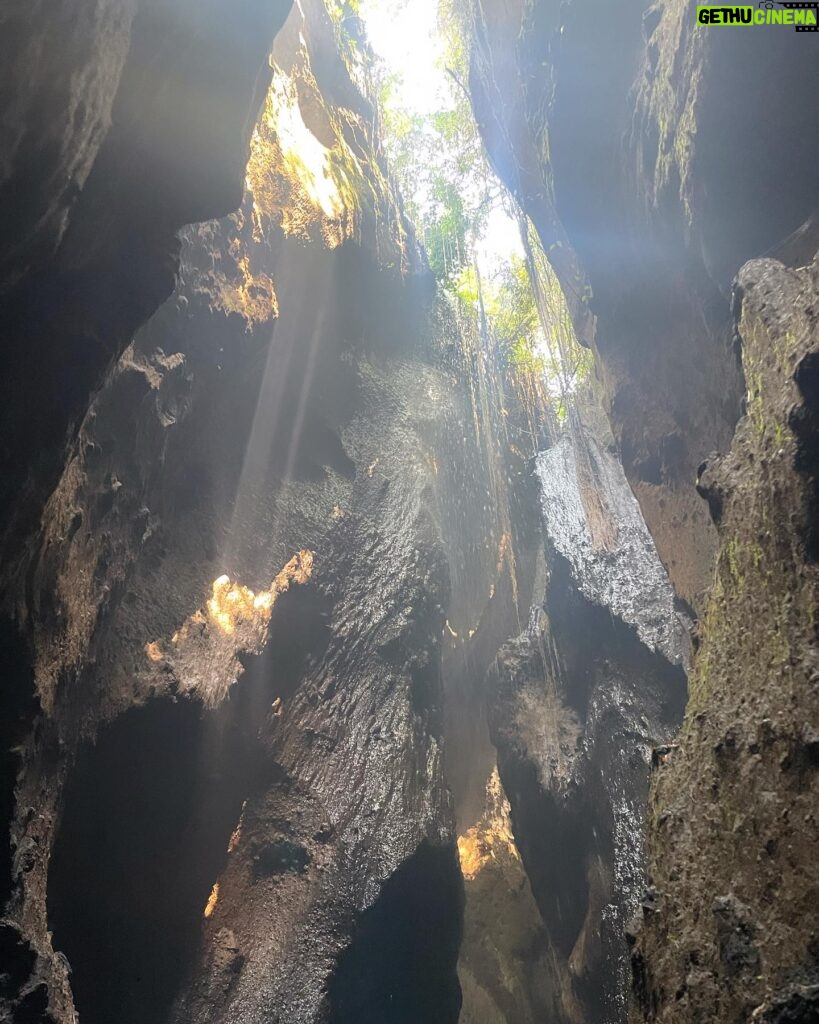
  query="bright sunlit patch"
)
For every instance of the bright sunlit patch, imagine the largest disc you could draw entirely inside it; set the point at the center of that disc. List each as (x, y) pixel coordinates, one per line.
(213, 899)
(499, 242)
(236, 834)
(296, 180)
(232, 604)
(204, 650)
(153, 651)
(301, 150)
(251, 294)
(405, 35)
(492, 836)
(407, 38)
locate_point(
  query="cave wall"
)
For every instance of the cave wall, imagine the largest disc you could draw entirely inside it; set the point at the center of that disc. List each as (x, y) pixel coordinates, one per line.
(108, 110)
(631, 137)
(233, 614)
(729, 931)
(123, 120)
(580, 701)
(253, 569)
(647, 146)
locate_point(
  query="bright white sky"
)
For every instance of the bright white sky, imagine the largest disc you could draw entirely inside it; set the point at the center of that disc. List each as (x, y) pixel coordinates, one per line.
(404, 33)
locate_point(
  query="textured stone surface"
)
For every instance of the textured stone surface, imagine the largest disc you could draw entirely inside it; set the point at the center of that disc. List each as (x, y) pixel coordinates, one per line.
(61, 66)
(505, 965)
(580, 700)
(593, 521)
(733, 818)
(252, 494)
(222, 659)
(632, 141)
(329, 748)
(121, 123)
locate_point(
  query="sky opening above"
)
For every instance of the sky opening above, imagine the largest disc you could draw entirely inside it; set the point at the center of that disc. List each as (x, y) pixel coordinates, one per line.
(405, 35)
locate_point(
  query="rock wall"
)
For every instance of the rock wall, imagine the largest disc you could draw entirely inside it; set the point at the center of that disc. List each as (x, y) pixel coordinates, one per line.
(730, 927)
(643, 148)
(580, 702)
(632, 139)
(123, 120)
(259, 551)
(233, 791)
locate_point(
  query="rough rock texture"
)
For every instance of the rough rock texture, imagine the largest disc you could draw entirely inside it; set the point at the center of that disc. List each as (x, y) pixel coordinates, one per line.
(323, 763)
(504, 966)
(53, 123)
(122, 121)
(632, 139)
(580, 700)
(253, 487)
(223, 715)
(731, 932)
(593, 521)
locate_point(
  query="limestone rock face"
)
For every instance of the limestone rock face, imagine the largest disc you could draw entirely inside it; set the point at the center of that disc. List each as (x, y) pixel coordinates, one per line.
(122, 122)
(230, 787)
(632, 138)
(632, 141)
(733, 817)
(274, 830)
(265, 526)
(61, 70)
(581, 699)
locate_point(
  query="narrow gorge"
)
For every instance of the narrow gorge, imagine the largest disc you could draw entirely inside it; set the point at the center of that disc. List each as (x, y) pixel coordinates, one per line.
(408, 547)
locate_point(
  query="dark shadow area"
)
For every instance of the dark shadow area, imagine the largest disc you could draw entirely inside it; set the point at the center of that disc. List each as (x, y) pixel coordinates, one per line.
(401, 966)
(18, 708)
(148, 814)
(18, 961)
(804, 422)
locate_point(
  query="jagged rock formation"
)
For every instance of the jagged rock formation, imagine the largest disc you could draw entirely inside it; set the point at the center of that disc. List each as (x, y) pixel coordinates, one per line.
(581, 699)
(107, 110)
(258, 552)
(632, 140)
(251, 489)
(733, 818)
(504, 967)
(123, 120)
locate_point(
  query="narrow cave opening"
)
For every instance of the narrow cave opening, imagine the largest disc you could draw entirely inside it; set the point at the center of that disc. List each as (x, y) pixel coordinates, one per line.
(149, 810)
(400, 967)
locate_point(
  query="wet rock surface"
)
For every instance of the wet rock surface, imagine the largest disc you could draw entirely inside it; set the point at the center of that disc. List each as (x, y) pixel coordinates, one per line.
(250, 496)
(320, 770)
(254, 565)
(632, 140)
(594, 522)
(580, 700)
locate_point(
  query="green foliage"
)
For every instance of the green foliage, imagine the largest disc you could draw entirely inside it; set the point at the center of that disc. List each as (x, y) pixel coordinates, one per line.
(440, 166)
(449, 190)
